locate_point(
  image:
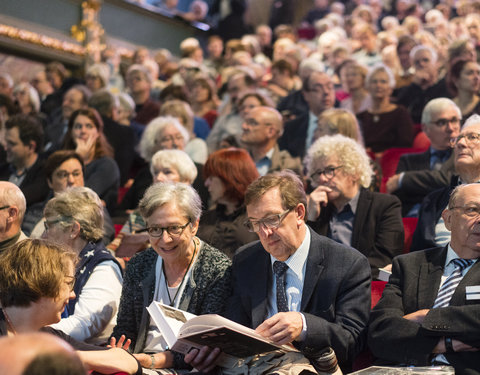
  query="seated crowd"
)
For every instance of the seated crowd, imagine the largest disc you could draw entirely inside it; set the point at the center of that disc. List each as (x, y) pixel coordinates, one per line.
(269, 183)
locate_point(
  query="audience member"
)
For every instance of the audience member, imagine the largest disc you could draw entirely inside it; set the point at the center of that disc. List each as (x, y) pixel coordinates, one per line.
(24, 167)
(441, 122)
(85, 136)
(431, 231)
(384, 124)
(326, 300)
(262, 128)
(179, 270)
(12, 211)
(97, 77)
(318, 91)
(121, 138)
(352, 76)
(36, 283)
(464, 84)
(342, 208)
(74, 219)
(425, 315)
(227, 174)
(139, 82)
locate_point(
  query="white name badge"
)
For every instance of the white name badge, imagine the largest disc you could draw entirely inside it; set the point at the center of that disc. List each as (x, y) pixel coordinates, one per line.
(472, 292)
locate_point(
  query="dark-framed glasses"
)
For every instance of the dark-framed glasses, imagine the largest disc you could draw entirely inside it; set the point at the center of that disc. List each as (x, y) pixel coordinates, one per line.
(471, 138)
(328, 172)
(269, 222)
(173, 230)
(442, 122)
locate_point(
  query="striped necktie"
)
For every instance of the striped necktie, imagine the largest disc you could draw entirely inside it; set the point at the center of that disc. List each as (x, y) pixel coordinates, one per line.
(446, 291)
(280, 268)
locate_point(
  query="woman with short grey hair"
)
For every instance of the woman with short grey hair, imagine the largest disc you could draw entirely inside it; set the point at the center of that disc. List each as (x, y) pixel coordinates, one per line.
(343, 209)
(179, 270)
(384, 124)
(74, 218)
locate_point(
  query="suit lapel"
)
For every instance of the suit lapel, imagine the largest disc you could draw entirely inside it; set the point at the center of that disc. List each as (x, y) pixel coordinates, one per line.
(314, 268)
(361, 213)
(429, 281)
(262, 270)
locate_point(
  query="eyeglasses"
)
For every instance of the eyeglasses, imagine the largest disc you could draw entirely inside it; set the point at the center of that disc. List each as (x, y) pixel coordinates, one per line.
(4, 207)
(176, 139)
(328, 172)
(63, 175)
(469, 211)
(269, 222)
(71, 282)
(471, 138)
(173, 231)
(442, 122)
(48, 224)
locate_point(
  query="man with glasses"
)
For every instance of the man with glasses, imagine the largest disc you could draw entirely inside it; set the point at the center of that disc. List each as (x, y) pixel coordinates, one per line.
(12, 210)
(429, 310)
(260, 132)
(440, 121)
(295, 286)
(319, 93)
(342, 208)
(431, 230)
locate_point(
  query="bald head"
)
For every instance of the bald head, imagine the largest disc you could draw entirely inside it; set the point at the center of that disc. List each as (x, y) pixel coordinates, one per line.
(12, 197)
(270, 117)
(25, 353)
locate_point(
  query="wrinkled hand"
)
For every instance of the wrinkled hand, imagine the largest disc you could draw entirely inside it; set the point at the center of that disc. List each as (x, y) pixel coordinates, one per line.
(85, 148)
(393, 183)
(458, 346)
(203, 360)
(282, 328)
(388, 267)
(316, 200)
(122, 343)
(417, 316)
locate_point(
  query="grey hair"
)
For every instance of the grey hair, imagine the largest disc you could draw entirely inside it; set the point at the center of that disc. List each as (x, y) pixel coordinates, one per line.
(182, 195)
(141, 69)
(381, 68)
(79, 204)
(472, 120)
(33, 97)
(126, 101)
(7, 77)
(100, 70)
(438, 105)
(455, 192)
(178, 160)
(349, 153)
(10, 194)
(422, 47)
(157, 126)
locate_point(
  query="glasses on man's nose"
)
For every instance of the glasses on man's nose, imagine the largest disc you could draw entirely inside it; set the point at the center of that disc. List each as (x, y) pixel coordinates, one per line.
(269, 222)
(328, 172)
(442, 122)
(472, 212)
(470, 138)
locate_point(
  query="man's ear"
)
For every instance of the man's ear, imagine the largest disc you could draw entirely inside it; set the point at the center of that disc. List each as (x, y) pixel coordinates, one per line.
(32, 145)
(12, 214)
(300, 211)
(447, 218)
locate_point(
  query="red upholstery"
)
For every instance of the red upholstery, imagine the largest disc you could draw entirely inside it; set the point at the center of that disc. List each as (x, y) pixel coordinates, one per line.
(409, 225)
(365, 358)
(389, 162)
(421, 141)
(118, 228)
(121, 193)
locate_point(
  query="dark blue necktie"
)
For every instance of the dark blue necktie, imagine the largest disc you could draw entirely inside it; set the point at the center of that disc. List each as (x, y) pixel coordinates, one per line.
(280, 270)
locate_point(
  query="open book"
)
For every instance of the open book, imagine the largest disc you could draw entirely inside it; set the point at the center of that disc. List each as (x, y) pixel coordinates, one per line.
(183, 331)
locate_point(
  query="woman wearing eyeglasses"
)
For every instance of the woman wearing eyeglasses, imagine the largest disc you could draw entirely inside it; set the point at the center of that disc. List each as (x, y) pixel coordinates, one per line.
(179, 270)
(74, 218)
(342, 208)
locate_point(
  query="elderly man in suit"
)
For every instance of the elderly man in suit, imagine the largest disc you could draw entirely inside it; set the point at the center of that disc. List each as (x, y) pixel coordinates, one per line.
(441, 119)
(431, 230)
(260, 131)
(295, 286)
(429, 311)
(342, 208)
